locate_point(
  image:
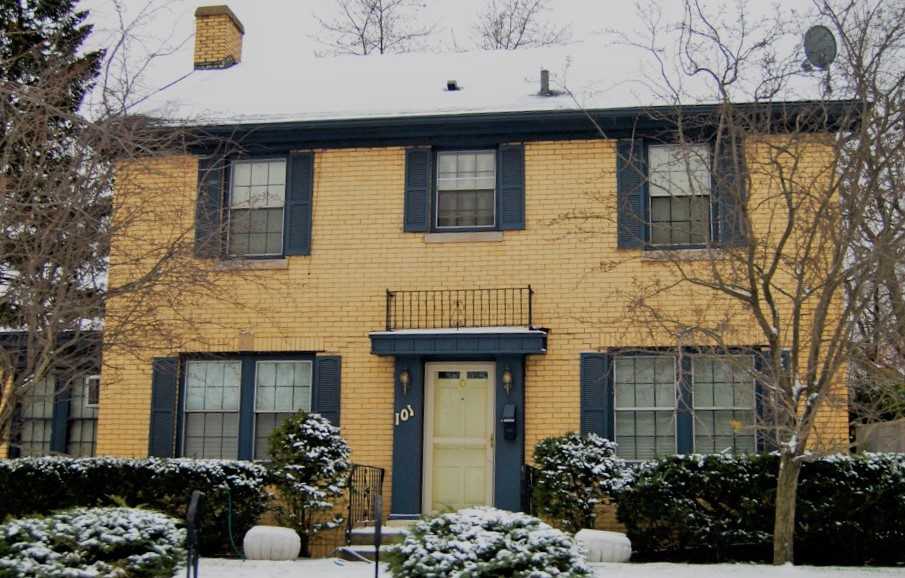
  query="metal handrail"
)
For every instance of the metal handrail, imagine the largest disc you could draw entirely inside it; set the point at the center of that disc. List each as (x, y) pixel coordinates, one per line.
(365, 484)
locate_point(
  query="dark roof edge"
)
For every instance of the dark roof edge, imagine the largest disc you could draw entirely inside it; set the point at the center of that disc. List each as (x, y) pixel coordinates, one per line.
(469, 128)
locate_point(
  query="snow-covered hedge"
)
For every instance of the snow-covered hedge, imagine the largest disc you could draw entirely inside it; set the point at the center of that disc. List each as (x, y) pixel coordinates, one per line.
(486, 542)
(717, 508)
(43, 485)
(107, 542)
(574, 475)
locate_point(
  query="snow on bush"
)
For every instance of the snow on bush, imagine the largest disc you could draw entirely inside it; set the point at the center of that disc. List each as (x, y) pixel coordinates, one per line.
(720, 508)
(235, 491)
(310, 465)
(85, 542)
(574, 474)
(486, 542)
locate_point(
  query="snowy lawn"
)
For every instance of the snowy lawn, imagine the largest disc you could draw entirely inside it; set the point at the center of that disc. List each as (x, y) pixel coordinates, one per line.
(332, 568)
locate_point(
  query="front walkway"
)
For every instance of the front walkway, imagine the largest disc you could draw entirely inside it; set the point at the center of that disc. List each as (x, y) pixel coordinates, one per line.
(333, 568)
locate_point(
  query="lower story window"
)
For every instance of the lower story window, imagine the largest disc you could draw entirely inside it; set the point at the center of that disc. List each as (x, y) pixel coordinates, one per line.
(715, 396)
(282, 388)
(645, 402)
(37, 419)
(214, 404)
(212, 409)
(723, 404)
(81, 437)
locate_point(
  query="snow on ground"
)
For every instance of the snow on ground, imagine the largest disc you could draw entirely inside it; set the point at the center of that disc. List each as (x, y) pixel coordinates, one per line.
(333, 568)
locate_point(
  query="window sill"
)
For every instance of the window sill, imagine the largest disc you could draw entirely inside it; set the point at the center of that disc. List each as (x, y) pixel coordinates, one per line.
(253, 264)
(465, 237)
(704, 254)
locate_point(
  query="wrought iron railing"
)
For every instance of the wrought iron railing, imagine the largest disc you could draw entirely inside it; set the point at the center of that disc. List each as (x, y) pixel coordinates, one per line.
(459, 308)
(365, 484)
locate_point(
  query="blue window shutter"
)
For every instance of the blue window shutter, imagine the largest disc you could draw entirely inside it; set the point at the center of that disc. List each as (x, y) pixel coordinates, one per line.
(417, 190)
(60, 424)
(327, 387)
(512, 186)
(729, 194)
(164, 396)
(300, 180)
(209, 207)
(767, 436)
(596, 395)
(631, 187)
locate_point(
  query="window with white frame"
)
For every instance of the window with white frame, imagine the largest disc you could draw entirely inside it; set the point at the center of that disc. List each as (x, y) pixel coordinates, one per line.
(282, 388)
(724, 403)
(81, 437)
(679, 180)
(466, 189)
(645, 406)
(212, 390)
(256, 201)
(36, 418)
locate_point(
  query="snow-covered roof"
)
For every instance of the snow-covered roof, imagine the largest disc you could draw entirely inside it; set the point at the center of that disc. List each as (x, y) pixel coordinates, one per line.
(289, 88)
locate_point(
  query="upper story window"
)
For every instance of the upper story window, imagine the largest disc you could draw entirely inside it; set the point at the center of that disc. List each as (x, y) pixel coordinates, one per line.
(256, 201)
(680, 186)
(466, 189)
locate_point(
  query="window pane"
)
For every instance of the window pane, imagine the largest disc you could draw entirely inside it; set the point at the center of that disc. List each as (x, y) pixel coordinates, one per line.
(724, 403)
(211, 435)
(256, 218)
(645, 382)
(466, 183)
(283, 386)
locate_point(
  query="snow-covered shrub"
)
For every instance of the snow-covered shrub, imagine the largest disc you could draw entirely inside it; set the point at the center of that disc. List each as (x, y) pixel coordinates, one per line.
(107, 542)
(719, 507)
(574, 474)
(479, 542)
(42, 485)
(310, 466)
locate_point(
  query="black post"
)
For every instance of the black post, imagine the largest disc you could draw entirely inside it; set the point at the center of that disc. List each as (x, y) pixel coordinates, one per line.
(193, 517)
(378, 532)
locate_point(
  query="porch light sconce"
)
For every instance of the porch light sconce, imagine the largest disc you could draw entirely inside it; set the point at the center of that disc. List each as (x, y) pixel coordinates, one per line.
(507, 381)
(404, 379)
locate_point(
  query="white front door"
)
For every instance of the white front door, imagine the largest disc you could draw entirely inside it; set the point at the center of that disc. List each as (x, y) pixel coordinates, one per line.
(458, 436)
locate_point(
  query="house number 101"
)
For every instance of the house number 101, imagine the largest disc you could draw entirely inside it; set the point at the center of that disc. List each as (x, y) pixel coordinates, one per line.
(405, 414)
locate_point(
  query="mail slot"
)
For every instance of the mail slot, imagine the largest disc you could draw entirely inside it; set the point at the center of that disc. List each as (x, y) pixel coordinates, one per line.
(509, 422)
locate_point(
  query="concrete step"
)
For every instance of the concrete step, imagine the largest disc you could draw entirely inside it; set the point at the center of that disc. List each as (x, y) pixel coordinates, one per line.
(359, 553)
(364, 536)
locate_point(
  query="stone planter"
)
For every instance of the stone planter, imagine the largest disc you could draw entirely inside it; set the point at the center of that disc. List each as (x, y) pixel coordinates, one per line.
(271, 543)
(605, 546)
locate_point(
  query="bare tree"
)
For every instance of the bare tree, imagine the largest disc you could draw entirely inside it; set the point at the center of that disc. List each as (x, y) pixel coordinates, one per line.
(804, 203)
(514, 24)
(373, 27)
(78, 259)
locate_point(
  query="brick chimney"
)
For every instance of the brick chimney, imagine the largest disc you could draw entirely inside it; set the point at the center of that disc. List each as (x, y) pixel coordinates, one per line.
(218, 37)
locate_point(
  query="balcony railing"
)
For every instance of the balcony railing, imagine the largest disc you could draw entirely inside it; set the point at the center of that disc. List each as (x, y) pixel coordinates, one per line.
(459, 308)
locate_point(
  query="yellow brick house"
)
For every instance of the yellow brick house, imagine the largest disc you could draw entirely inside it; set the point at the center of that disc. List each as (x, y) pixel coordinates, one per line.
(405, 271)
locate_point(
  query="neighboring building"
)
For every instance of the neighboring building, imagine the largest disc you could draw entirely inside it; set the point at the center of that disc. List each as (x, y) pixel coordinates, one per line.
(405, 271)
(59, 413)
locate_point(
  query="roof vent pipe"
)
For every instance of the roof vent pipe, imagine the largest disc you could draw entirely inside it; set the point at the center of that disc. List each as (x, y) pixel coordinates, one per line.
(452, 85)
(544, 82)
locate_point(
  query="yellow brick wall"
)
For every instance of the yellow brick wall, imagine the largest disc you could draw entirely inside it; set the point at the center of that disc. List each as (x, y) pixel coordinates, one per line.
(216, 38)
(330, 300)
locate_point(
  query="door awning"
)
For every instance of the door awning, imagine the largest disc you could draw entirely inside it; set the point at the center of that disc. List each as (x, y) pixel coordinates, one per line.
(470, 341)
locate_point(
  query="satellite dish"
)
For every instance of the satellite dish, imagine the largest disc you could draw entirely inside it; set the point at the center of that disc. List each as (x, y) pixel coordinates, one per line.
(819, 46)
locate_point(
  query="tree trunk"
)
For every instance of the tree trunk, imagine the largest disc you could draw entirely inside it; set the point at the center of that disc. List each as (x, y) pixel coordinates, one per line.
(784, 522)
